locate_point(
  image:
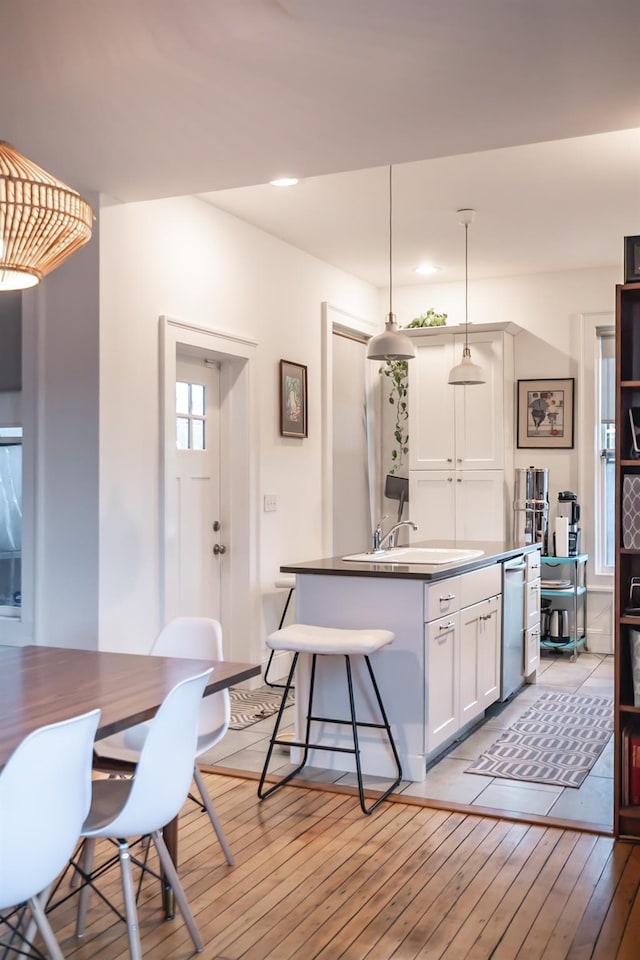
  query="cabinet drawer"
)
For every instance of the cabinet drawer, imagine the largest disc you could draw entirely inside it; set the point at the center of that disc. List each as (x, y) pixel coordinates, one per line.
(442, 598)
(532, 561)
(531, 603)
(480, 584)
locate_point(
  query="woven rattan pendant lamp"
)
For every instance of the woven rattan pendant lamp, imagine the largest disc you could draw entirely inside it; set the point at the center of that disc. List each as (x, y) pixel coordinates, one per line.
(42, 221)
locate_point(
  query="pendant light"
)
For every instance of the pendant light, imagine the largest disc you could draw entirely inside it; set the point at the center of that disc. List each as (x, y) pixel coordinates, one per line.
(391, 345)
(42, 221)
(466, 373)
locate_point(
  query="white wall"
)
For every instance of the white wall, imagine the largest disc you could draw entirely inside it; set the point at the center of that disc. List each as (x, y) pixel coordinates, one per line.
(548, 307)
(185, 259)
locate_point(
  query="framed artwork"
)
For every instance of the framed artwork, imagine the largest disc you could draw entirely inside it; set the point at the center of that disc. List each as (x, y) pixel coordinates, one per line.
(632, 259)
(545, 413)
(293, 399)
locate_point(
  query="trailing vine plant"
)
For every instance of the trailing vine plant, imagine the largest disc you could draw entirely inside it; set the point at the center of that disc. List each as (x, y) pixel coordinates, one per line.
(396, 372)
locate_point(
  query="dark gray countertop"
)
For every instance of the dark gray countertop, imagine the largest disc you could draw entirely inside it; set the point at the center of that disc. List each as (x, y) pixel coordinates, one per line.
(493, 552)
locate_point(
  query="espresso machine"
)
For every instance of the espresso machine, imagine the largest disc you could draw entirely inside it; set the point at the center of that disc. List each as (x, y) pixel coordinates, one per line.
(566, 538)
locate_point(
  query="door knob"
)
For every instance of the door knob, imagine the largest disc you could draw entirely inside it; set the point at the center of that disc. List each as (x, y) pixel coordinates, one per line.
(219, 548)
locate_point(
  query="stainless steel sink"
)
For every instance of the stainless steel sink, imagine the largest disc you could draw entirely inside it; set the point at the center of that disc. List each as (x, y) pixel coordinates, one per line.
(416, 555)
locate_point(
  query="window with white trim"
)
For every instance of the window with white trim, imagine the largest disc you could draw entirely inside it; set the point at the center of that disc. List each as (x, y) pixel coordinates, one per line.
(604, 525)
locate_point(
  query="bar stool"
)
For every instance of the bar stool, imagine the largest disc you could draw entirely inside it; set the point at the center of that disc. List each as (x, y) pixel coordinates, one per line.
(286, 582)
(330, 641)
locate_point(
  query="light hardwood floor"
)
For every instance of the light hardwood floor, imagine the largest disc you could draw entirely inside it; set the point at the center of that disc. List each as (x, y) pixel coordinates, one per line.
(317, 879)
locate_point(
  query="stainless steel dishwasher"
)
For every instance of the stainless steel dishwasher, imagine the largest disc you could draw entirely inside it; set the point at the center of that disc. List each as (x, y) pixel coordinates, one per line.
(513, 574)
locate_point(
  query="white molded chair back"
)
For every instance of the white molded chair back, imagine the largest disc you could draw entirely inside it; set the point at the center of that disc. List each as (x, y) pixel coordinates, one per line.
(199, 638)
(165, 766)
(196, 638)
(45, 795)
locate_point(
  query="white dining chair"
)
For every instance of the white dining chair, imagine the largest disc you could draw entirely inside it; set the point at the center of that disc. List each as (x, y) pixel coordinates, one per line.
(144, 804)
(45, 795)
(198, 638)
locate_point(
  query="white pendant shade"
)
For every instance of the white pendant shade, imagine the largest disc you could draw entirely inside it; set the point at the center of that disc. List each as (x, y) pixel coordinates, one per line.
(42, 221)
(466, 373)
(391, 345)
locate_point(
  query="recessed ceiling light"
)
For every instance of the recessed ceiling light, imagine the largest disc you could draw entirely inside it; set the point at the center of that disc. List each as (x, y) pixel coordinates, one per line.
(424, 269)
(284, 182)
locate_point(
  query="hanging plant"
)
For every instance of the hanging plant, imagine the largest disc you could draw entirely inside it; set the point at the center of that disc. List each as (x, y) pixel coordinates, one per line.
(396, 372)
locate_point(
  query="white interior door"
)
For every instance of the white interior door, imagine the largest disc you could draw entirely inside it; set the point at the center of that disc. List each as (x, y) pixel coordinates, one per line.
(201, 544)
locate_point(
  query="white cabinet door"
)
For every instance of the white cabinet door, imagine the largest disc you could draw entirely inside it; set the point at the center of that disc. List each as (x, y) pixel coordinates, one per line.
(479, 505)
(431, 406)
(479, 658)
(459, 428)
(442, 680)
(532, 650)
(452, 505)
(490, 652)
(432, 504)
(479, 409)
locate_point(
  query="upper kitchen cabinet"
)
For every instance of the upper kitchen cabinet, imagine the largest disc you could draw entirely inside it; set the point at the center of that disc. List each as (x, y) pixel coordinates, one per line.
(454, 427)
(461, 438)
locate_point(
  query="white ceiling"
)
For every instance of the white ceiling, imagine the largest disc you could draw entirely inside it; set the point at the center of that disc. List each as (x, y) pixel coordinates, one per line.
(141, 99)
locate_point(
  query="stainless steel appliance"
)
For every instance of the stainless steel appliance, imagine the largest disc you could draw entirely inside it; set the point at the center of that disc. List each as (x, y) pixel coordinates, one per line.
(531, 507)
(513, 579)
(569, 507)
(559, 625)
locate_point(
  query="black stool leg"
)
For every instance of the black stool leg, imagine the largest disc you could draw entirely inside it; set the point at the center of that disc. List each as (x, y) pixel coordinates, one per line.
(288, 743)
(392, 744)
(268, 682)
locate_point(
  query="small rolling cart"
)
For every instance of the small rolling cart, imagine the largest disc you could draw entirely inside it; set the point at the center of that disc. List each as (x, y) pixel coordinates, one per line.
(563, 590)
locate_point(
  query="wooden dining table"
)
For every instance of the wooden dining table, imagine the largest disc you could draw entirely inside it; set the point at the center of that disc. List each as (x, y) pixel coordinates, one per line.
(41, 685)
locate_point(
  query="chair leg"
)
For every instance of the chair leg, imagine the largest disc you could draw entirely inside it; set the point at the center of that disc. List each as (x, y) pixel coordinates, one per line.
(130, 908)
(384, 725)
(208, 806)
(176, 886)
(86, 865)
(262, 793)
(44, 927)
(271, 683)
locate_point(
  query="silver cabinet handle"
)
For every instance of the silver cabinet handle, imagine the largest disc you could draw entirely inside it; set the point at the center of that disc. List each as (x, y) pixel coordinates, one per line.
(449, 459)
(451, 596)
(219, 548)
(447, 626)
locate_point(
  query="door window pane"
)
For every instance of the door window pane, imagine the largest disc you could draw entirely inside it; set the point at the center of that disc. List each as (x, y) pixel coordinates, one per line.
(182, 433)
(197, 399)
(197, 434)
(182, 397)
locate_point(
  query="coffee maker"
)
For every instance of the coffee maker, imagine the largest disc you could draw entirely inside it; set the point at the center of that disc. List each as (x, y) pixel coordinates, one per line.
(567, 533)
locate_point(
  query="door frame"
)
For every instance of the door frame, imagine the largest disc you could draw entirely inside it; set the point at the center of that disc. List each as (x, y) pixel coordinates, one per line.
(239, 445)
(331, 319)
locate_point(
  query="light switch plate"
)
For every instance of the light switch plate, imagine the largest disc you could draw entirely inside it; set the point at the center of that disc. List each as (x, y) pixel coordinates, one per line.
(270, 503)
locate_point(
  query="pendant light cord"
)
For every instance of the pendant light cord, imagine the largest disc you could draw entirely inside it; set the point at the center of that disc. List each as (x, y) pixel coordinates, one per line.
(466, 285)
(390, 241)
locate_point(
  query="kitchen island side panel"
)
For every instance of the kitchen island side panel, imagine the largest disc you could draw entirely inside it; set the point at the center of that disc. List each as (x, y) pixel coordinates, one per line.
(365, 602)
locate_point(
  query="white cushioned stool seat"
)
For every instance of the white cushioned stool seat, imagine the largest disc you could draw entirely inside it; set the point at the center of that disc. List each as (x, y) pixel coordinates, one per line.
(305, 638)
(286, 582)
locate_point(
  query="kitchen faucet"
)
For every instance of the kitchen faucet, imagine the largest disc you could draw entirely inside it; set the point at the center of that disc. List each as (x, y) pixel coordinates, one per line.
(390, 535)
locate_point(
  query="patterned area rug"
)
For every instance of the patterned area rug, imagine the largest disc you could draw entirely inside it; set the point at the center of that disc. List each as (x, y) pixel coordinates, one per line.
(251, 706)
(556, 741)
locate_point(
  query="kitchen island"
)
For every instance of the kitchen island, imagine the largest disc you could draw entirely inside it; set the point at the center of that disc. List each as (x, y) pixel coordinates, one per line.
(443, 669)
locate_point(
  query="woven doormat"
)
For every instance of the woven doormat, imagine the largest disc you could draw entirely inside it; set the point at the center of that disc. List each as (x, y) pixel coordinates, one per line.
(251, 706)
(556, 741)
